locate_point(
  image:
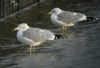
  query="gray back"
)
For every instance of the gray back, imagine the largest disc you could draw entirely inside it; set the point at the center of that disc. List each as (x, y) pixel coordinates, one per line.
(37, 34)
(69, 17)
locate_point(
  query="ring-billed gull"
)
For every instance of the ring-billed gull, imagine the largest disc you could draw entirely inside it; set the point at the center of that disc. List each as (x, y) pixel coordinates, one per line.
(64, 19)
(33, 36)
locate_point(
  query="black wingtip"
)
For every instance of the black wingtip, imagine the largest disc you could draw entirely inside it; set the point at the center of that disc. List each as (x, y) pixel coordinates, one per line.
(90, 19)
(60, 36)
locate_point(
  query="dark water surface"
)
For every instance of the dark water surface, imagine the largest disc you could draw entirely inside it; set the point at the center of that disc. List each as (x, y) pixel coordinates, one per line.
(81, 49)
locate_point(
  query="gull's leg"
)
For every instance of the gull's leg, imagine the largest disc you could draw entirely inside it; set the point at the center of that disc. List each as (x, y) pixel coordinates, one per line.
(63, 29)
(30, 49)
(67, 28)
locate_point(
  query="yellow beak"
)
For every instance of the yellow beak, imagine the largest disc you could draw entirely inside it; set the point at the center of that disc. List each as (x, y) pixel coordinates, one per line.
(15, 29)
(49, 13)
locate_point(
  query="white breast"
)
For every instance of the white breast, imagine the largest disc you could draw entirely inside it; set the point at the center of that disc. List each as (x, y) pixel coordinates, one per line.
(22, 39)
(56, 21)
(25, 40)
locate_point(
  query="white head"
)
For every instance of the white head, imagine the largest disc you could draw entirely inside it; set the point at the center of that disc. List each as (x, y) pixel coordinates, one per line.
(55, 11)
(22, 26)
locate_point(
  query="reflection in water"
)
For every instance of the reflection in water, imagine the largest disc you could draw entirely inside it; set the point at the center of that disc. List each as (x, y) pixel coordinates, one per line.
(39, 60)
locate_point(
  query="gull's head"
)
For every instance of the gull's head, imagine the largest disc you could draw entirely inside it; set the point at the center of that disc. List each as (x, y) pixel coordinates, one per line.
(22, 26)
(55, 11)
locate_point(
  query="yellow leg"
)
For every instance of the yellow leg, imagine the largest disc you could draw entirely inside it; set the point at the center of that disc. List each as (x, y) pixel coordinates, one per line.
(63, 30)
(31, 49)
(67, 28)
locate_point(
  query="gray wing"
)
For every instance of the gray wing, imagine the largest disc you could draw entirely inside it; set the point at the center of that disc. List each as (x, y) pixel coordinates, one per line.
(37, 34)
(70, 17)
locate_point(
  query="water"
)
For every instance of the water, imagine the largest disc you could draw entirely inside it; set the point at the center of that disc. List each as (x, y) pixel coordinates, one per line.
(79, 50)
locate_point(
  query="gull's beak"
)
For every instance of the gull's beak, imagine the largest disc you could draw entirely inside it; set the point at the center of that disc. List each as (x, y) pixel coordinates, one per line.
(49, 13)
(15, 29)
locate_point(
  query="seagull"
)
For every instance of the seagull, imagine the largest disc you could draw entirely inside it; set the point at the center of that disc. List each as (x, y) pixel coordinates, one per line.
(64, 19)
(33, 36)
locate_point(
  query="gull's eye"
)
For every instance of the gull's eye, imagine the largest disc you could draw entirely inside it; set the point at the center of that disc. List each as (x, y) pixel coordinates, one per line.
(53, 11)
